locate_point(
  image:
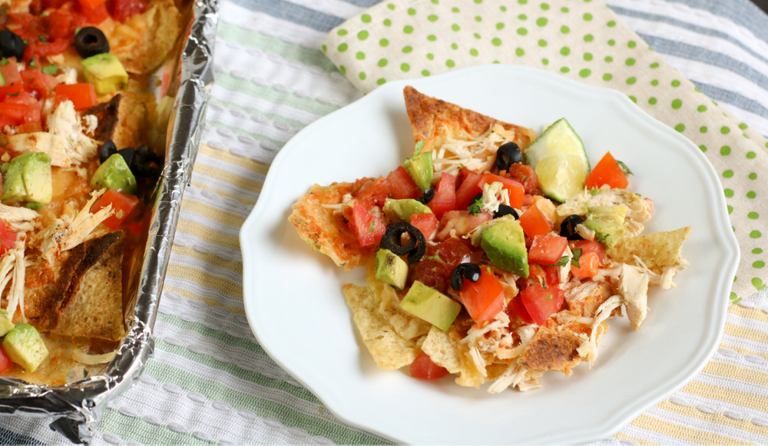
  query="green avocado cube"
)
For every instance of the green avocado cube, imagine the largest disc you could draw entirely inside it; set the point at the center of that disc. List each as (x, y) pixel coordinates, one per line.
(504, 244)
(401, 210)
(114, 174)
(28, 178)
(391, 269)
(607, 222)
(420, 168)
(105, 72)
(431, 305)
(25, 347)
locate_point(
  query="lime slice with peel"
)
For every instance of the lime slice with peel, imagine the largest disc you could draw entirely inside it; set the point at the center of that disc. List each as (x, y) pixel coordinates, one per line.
(558, 158)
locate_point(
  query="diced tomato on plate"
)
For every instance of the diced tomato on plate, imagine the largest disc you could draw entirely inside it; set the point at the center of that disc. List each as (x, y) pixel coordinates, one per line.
(534, 222)
(367, 228)
(82, 95)
(123, 205)
(426, 223)
(591, 256)
(423, 368)
(469, 188)
(445, 195)
(401, 185)
(542, 302)
(516, 190)
(547, 249)
(483, 299)
(607, 171)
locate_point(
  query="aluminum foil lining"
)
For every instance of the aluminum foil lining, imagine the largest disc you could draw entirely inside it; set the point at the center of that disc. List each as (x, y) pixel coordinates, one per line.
(74, 409)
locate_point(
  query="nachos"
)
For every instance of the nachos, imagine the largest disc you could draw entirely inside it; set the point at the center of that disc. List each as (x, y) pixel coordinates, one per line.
(493, 254)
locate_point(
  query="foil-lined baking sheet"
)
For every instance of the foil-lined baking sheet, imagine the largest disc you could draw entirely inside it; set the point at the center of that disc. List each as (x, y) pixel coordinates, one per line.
(75, 408)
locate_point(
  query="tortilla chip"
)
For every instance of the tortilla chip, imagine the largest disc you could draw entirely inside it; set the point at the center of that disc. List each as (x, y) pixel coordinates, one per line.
(433, 120)
(552, 348)
(163, 26)
(444, 349)
(107, 114)
(656, 250)
(404, 323)
(390, 351)
(325, 231)
(94, 302)
(132, 119)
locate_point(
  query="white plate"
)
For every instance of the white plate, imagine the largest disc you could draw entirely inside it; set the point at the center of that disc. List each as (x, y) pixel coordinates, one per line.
(296, 309)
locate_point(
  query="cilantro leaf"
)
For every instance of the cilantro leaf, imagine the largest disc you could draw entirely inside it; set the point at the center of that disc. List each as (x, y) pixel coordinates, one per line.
(476, 207)
(50, 69)
(625, 168)
(576, 257)
(42, 38)
(32, 63)
(4, 61)
(373, 224)
(563, 260)
(419, 147)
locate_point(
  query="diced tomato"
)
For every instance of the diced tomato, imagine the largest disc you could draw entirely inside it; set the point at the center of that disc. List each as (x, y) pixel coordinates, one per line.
(82, 95)
(124, 9)
(32, 106)
(548, 275)
(91, 3)
(460, 223)
(435, 268)
(401, 185)
(7, 238)
(423, 368)
(592, 255)
(483, 299)
(29, 127)
(38, 83)
(14, 114)
(426, 223)
(528, 200)
(96, 15)
(37, 49)
(370, 192)
(468, 189)
(534, 222)
(6, 363)
(53, 4)
(515, 189)
(518, 315)
(541, 302)
(123, 204)
(13, 80)
(526, 176)
(445, 195)
(547, 249)
(452, 252)
(607, 171)
(367, 228)
(58, 23)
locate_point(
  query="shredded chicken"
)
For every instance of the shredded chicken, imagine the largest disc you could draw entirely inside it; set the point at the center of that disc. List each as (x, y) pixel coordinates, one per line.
(667, 273)
(494, 195)
(585, 232)
(588, 348)
(91, 123)
(638, 209)
(345, 200)
(478, 154)
(633, 288)
(513, 376)
(67, 76)
(19, 219)
(13, 268)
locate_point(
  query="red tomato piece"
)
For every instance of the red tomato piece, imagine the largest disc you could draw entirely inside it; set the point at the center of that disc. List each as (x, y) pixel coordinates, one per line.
(37, 49)
(435, 268)
(14, 114)
(515, 189)
(452, 252)
(423, 368)
(547, 249)
(96, 15)
(542, 303)
(445, 195)
(12, 77)
(6, 363)
(29, 127)
(483, 299)
(370, 192)
(468, 189)
(518, 315)
(607, 171)
(7, 238)
(82, 95)
(426, 223)
(526, 176)
(123, 204)
(367, 228)
(38, 83)
(544, 275)
(462, 222)
(589, 246)
(401, 185)
(124, 9)
(91, 4)
(58, 22)
(53, 4)
(588, 265)
(534, 222)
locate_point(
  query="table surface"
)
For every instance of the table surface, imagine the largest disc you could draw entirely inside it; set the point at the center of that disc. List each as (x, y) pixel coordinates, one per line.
(209, 379)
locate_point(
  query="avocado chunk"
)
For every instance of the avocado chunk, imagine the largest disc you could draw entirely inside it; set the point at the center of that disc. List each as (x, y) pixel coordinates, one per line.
(420, 168)
(5, 322)
(504, 244)
(105, 72)
(114, 174)
(607, 222)
(391, 269)
(25, 347)
(431, 305)
(28, 178)
(401, 210)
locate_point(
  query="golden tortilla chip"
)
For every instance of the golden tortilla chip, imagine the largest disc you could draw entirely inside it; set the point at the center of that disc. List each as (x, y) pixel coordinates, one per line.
(404, 323)
(656, 250)
(444, 349)
(552, 348)
(132, 119)
(161, 23)
(325, 230)
(390, 351)
(434, 121)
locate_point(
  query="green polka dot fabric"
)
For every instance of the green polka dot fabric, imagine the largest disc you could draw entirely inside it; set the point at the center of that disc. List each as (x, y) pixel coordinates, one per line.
(580, 39)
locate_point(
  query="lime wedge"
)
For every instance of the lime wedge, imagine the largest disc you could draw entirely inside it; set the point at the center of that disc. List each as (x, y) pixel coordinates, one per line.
(558, 158)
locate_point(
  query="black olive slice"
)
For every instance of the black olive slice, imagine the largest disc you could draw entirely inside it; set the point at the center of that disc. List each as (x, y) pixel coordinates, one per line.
(127, 154)
(107, 150)
(507, 155)
(506, 210)
(469, 271)
(416, 246)
(144, 162)
(429, 194)
(568, 227)
(11, 45)
(90, 41)
(421, 246)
